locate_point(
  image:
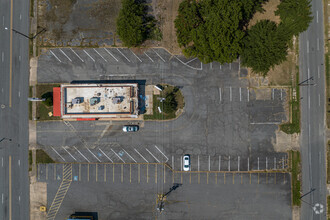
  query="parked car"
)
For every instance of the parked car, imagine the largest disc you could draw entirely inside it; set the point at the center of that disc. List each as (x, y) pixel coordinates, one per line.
(186, 162)
(130, 128)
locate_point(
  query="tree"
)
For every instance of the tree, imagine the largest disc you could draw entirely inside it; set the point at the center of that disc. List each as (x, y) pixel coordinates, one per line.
(295, 15)
(170, 103)
(264, 47)
(213, 30)
(48, 96)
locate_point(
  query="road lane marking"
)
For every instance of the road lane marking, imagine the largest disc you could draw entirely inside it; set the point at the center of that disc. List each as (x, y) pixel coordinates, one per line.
(20, 16)
(159, 55)
(65, 54)
(135, 56)
(2, 198)
(111, 54)
(238, 159)
(11, 58)
(162, 153)
(230, 94)
(220, 94)
(93, 154)
(113, 173)
(105, 155)
(281, 94)
(100, 55)
(19, 198)
(130, 156)
(55, 56)
(105, 173)
(248, 163)
(130, 173)
(248, 94)
(88, 172)
(58, 154)
(258, 163)
(141, 155)
(309, 101)
(230, 66)
(240, 94)
(147, 173)
(156, 173)
(19, 162)
(148, 56)
(3, 57)
(96, 172)
(273, 94)
(229, 163)
(89, 55)
(318, 44)
(76, 54)
(219, 163)
(266, 163)
(265, 123)
(173, 162)
(197, 162)
(318, 72)
(10, 190)
(123, 55)
(19, 58)
(117, 155)
(274, 163)
(2, 161)
(317, 16)
(193, 60)
(220, 66)
(152, 155)
(319, 100)
(69, 153)
(81, 154)
(138, 173)
(209, 162)
(307, 46)
(79, 172)
(210, 65)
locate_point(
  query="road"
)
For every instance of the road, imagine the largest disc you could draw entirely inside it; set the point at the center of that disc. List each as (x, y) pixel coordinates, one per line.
(14, 75)
(311, 52)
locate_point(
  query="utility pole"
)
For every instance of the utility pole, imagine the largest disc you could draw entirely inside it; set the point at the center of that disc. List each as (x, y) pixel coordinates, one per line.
(24, 35)
(162, 197)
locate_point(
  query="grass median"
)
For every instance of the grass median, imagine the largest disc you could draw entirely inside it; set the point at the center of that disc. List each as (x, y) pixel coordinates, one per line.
(294, 158)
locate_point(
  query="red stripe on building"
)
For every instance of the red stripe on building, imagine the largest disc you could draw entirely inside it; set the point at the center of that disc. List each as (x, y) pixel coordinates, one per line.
(85, 119)
(56, 101)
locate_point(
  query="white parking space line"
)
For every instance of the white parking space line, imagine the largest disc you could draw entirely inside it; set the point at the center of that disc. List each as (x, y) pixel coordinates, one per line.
(19, 94)
(81, 154)
(148, 56)
(19, 58)
(162, 153)
(209, 162)
(210, 65)
(238, 159)
(281, 94)
(319, 100)
(230, 66)
(141, 155)
(318, 72)
(117, 155)
(19, 162)
(130, 156)
(105, 155)
(266, 163)
(135, 56)
(220, 94)
(248, 94)
(172, 162)
(2, 161)
(152, 155)
(219, 163)
(265, 123)
(181, 163)
(123, 55)
(2, 198)
(229, 163)
(273, 94)
(220, 66)
(318, 44)
(2, 56)
(240, 94)
(230, 94)
(159, 55)
(111, 54)
(317, 16)
(20, 16)
(100, 55)
(192, 60)
(274, 163)
(58, 154)
(248, 164)
(69, 153)
(77, 55)
(307, 46)
(197, 162)
(282, 163)
(258, 163)
(93, 154)
(55, 56)
(89, 55)
(65, 54)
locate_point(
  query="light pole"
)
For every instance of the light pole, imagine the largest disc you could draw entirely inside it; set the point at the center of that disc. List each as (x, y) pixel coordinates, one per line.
(24, 35)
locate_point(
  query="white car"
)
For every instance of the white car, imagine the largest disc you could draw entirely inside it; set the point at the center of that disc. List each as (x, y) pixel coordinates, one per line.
(130, 128)
(186, 162)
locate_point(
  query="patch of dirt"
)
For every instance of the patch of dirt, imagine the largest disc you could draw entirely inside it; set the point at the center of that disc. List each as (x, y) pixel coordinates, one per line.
(285, 142)
(38, 197)
(270, 7)
(295, 213)
(263, 94)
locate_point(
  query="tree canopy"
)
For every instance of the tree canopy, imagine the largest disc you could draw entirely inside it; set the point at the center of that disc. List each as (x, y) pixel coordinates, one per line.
(264, 47)
(213, 30)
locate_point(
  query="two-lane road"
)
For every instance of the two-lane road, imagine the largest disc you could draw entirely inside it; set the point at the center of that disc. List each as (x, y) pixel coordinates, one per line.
(311, 51)
(14, 75)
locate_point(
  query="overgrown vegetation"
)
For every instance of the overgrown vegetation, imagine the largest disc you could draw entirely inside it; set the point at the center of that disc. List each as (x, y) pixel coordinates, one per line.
(30, 160)
(134, 25)
(295, 168)
(43, 108)
(42, 157)
(169, 101)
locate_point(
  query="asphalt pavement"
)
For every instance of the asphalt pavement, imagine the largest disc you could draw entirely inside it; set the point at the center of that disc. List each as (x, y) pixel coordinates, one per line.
(14, 75)
(313, 150)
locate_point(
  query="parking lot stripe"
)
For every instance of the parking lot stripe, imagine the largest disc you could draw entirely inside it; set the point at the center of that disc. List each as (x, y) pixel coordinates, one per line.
(113, 173)
(93, 154)
(273, 94)
(258, 163)
(230, 93)
(117, 155)
(147, 173)
(65, 55)
(248, 94)
(159, 55)
(105, 155)
(241, 178)
(156, 173)
(274, 178)
(216, 178)
(130, 173)
(250, 178)
(55, 56)
(207, 178)
(173, 162)
(283, 179)
(190, 178)
(122, 172)
(162, 153)
(224, 178)
(230, 66)
(148, 56)
(88, 172)
(238, 158)
(76, 54)
(38, 169)
(81, 154)
(141, 155)
(152, 155)
(220, 66)
(100, 55)
(240, 94)
(181, 178)
(58, 154)
(96, 172)
(173, 177)
(197, 162)
(209, 162)
(219, 163)
(274, 163)
(258, 178)
(192, 60)
(89, 55)
(266, 178)
(136, 56)
(210, 65)
(130, 156)
(123, 55)
(233, 178)
(139, 173)
(282, 95)
(229, 163)
(248, 164)
(199, 178)
(111, 54)
(220, 94)
(69, 153)
(266, 163)
(79, 172)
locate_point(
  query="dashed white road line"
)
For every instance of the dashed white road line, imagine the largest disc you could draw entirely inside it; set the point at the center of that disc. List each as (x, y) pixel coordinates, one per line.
(135, 56)
(141, 155)
(318, 72)
(100, 55)
(317, 16)
(307, 46)
(105, 155)
(2, 56)
(2, 161)
(238, 160)
(229, 163)
(148, 56)
(281, 95)
(76, 54)
(240, 94)
(58, 154)
(19, 162)
(194, 68)
(55, 56)
(162, 153)
(230, 94)
(130, 156)
(220, 94)
(319, 100)
(219, 163)
(220, 66)
(93, 154)
(19, 58)
(111, 54)
(81, 154)
(265, 123)
(248, 164)
(318, 44)
(69, 153)
(20, 16)
(117, 155)
(192, 60)
(89, 55)
(19, 94)
(2, 198)
(152, 155)
(159, 55)
(65, 54)
(123, 55)
(248, 94)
